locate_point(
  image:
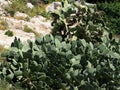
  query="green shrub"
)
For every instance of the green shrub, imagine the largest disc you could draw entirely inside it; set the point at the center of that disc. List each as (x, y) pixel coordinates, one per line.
(112, 11)
(78, 20)
(9, 33)
(52, 64)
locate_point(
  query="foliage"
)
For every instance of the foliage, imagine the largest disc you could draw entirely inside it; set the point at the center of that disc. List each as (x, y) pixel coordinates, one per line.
(9, 33)
(52, 64)
(78, 20)
(112, 11)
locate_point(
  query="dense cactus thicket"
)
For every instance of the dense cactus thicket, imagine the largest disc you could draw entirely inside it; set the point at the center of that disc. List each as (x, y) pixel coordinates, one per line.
(79, 20)
(70, 59)
(49, 63)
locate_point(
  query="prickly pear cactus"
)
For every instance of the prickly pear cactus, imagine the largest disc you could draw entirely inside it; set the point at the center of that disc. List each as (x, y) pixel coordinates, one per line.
(77, 20)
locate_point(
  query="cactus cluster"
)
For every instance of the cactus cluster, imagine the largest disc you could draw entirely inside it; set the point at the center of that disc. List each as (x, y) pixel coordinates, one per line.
(50, 63)
(79, 20)
(69, 59)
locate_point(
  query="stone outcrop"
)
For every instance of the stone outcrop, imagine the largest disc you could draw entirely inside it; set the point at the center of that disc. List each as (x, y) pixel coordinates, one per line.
(17, 23)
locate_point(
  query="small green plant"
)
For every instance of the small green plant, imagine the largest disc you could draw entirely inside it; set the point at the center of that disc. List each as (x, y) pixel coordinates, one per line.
(9, 33)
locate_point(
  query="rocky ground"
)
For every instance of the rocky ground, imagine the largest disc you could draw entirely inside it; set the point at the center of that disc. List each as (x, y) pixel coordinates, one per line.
(17, 23)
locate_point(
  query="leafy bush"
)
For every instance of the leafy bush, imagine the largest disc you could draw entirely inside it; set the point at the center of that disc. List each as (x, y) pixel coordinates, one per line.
(9, 33)
(78, 20)
(112, 11)
(52, 64)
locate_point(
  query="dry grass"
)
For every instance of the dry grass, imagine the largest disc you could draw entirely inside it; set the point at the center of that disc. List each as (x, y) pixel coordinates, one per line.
(3, 24)
(29, 30)
(19, 17)
(2, 49)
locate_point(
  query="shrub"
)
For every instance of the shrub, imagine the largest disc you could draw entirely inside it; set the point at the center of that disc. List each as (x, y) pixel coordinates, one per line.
(78, 20)
(112, 11)
(52, 64)
(9, 33)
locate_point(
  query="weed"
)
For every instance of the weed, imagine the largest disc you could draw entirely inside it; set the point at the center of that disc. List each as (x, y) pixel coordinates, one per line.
(9, 33)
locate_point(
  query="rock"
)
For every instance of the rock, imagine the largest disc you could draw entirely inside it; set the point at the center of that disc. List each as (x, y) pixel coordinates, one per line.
(38, 24)
(5, 3)
(2, 12)
(29, 5)
(20, 16)
(37, 19)
(53, 6)
(17, 23)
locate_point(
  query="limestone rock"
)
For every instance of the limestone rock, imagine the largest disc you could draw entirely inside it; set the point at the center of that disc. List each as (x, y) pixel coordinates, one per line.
(29, 5)
(18, 15)
(5, 3)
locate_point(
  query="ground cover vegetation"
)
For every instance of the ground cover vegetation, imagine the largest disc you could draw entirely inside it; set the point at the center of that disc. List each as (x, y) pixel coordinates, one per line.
(76, 56)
